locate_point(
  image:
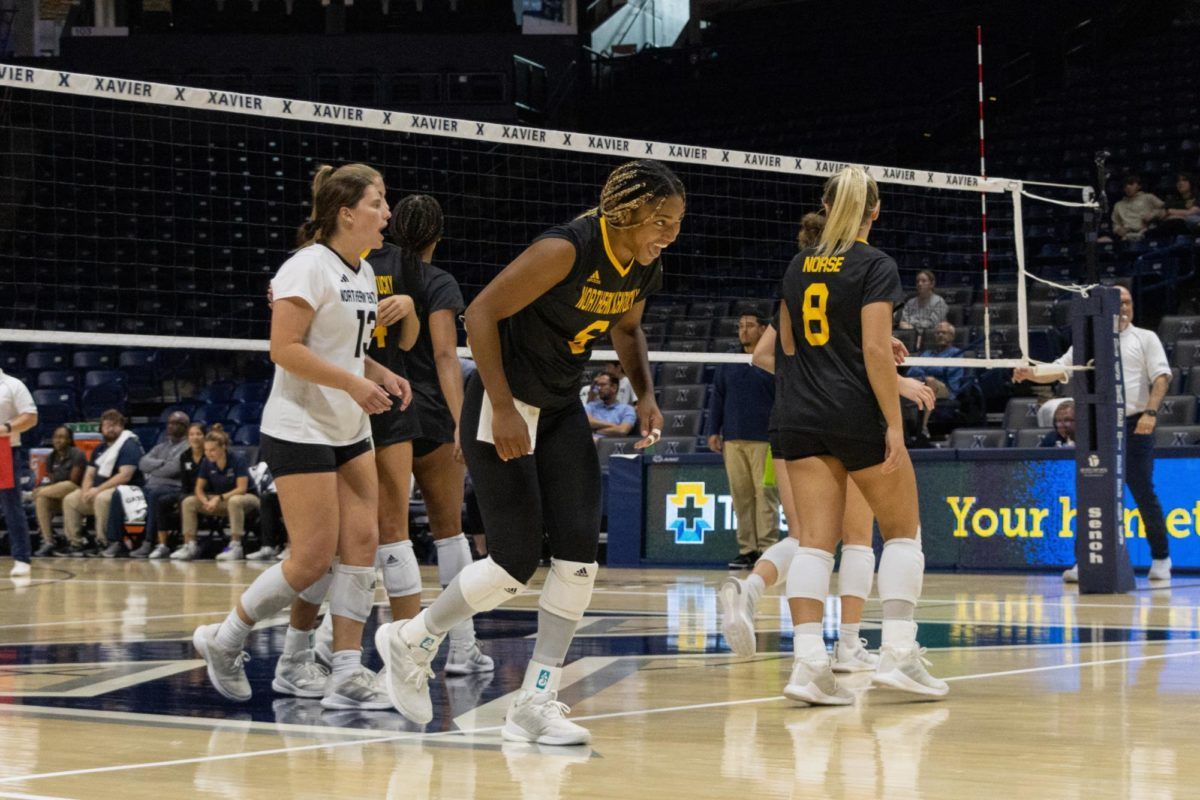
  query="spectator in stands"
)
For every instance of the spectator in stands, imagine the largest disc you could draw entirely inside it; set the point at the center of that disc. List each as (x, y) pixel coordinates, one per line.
(1132, 214)
(114, 463)
(625, 393)
(739, 412)
(1181, 212)
(168, 510)
(64, 474)
(17, 413)
(1063, 434)
(161, 468)
(1147, 376)
(946, 382)
(607, 416)
(927, 309)
(222, 490)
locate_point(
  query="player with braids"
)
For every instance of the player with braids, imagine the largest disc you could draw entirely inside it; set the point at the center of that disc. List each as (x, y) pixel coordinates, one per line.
(421, 440)
(527, 440)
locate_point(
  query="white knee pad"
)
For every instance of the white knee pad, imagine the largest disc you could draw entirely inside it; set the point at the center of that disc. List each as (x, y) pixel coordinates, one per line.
(315, 594)
(809, 574)
(268, 595)
(453, 555)
(401, 572)
(901, 570)
(781, 554)
(353, 592)
(568, 589)
(485, 585)
(857, 571)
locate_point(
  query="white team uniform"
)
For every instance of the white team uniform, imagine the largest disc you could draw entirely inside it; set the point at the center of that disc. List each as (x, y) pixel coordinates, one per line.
(346, 309)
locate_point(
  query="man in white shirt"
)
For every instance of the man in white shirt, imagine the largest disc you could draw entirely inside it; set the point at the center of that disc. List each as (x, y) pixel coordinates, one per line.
(17, 413)
(1147, 375)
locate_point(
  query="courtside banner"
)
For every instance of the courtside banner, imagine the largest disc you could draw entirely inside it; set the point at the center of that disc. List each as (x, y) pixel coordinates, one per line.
(979, 510)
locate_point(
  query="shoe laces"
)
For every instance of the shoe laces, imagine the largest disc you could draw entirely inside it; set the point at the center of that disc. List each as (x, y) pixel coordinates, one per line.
(239, 661)
(553, 708)
(419, 677)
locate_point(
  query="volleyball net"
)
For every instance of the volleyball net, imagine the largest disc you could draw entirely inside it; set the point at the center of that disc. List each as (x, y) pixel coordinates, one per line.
(144, 215)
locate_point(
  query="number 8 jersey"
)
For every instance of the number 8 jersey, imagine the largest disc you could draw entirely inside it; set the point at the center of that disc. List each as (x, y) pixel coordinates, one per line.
(546, 344)
(826, 388)
(345, 308)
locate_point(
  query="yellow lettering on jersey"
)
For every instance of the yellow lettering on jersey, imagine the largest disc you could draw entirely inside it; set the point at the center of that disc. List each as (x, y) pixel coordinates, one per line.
(622, 269)
(579, 344)
(823, 263)
(598, 301)
(383, 284)
(380, 334)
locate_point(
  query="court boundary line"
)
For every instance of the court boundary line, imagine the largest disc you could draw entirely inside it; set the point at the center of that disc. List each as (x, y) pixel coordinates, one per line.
(609, 715)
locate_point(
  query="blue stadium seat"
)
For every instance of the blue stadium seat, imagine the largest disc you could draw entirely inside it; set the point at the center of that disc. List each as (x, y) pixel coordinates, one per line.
(93, 359)
(978, 438)
(1177, 436)
(683, 397)
(52, 378)
(1030, 437)
(1021, 413)
(148, 435)
(246, 435)
(679, 374)
(1177, 410)
(242, 413)
(682, 423)
(100, 398)
(63, 395)
(53, 413)
(47, 360)
(212, 412)
(252, 392)
(216, 392)
(104, 377)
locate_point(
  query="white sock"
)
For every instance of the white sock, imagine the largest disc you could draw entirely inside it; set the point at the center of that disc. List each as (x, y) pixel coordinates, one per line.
(345, 662)
(541, 678)
(808, 642)
(755, 586)
(849, 633)
(296, 641)
(233, 632)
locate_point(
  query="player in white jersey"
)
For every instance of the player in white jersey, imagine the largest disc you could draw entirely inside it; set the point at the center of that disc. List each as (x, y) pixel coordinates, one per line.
(316, 439)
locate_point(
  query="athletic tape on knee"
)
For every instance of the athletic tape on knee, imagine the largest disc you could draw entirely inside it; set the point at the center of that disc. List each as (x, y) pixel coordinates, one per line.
(401, 572)
(353, 592)
(453, 555)
(809, 574)
(857, 571)
(485, 585)
(901, 571)
(780, 555)
(316, 593)
(568, 589)
(268, 595)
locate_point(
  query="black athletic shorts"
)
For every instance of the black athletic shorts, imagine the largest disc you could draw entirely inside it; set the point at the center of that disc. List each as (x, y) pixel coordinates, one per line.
(423, 446)
(855, 454)
(774, 443)
(293, 458)
(394, 426)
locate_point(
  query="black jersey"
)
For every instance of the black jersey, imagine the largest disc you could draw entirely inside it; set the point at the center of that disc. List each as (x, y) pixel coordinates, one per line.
(389, 280)
(546, 344)
(439, 292)
(825, 387)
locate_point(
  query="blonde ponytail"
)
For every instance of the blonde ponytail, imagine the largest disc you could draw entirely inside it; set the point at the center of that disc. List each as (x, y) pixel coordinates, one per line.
(850, 197)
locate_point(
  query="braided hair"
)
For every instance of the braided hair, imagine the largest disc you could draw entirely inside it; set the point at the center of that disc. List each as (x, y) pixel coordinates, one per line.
(417, 222)
(633, 185)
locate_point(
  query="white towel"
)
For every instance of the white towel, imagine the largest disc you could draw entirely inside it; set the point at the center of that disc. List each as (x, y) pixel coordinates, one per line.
(107, 462)
(528, 413)
(133, 502)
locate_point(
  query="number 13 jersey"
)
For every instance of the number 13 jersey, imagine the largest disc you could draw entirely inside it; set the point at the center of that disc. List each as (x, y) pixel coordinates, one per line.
(345, 309)
(825, 386)
(546, 345)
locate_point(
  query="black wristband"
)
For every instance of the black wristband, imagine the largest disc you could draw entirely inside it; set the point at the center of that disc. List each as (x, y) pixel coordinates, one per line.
(1150, 412)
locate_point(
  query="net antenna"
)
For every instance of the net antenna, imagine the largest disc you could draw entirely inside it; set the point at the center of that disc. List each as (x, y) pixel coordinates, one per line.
(215, 182)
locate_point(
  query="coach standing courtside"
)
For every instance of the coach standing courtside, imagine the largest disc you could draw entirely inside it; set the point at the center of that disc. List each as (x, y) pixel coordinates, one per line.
(17, 413)
(1147, 375)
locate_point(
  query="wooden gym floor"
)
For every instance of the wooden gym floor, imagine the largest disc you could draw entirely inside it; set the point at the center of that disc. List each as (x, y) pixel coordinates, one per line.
(1052, 695)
